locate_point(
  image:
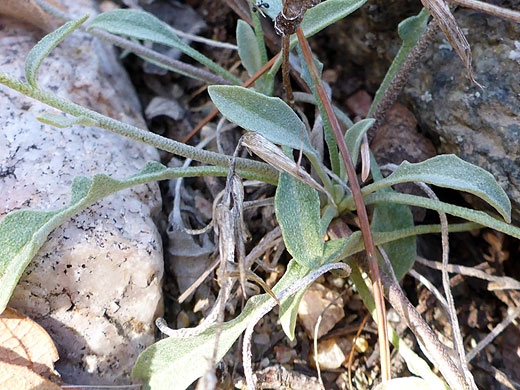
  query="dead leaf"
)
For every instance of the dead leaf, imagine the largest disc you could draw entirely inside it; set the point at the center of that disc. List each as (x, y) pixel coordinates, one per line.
(15, 377)
(440, 10)
(24, 343)
(28, 11)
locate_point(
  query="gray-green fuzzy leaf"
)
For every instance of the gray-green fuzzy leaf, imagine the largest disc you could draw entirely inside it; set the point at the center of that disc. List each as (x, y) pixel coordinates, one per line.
(144, 26)
(327, 129)
(449, 171)
(479, 217)
(269, 116)
(248, 50)
(23, 232)
(297, 209)
(43, 48)
(391, 217)
(354, 137)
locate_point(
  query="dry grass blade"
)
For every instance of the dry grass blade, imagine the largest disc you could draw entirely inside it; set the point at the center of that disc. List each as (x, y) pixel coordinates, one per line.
(442, 14)
(274, 156)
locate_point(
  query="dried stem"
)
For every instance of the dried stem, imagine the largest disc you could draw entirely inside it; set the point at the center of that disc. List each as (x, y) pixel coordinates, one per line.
(402, 75)
(360, 206)
(489, 9)
(286, 78)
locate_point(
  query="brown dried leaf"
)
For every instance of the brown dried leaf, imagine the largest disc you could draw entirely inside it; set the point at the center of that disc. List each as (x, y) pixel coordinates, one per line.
(14, 377)
(28, 11)
(24, 343)
(440, 10)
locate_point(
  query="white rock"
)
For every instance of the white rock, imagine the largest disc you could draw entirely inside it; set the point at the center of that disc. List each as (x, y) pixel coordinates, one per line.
(95, 286)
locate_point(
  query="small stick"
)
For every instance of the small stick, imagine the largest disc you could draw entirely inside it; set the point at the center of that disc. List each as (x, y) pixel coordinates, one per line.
(248, 83)
(491, 9)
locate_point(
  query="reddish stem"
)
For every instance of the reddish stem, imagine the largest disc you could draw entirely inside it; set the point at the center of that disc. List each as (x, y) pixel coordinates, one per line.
(360, 206)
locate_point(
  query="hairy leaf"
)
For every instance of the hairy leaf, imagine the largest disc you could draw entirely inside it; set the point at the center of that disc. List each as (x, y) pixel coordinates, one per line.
(327, 129)
(354, 137)
(479, 217)
(389, 217)
(297, 209)
(248, 50)
(42, 49)
(409, 383)
(23, 232)
(269, 116)
(144, 26)
(350, 246)
(449, 171)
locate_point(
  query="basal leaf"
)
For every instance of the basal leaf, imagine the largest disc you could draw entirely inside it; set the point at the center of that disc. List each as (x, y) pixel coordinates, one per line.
(297, 208)
(346, 247)
(327, 129)
(410, 30)
(23, 232)
(42, 49)
(248, 50)
(175, 363)
(354, 137)
(390, 217)
(449, 171)
(479, 217)
(269, 116)
(63, 122)
(144, 26)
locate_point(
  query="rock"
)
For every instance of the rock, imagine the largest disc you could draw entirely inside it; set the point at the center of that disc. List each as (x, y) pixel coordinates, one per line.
(95, 285)
(398, 140)
(313, 303)
(480, 126)
(331, 355)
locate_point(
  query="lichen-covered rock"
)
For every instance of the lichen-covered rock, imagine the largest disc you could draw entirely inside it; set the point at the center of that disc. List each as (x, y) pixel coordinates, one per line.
(95, 286)
(480, 126)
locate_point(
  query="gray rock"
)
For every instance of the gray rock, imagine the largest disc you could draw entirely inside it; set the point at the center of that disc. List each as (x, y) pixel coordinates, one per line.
(480, 126)
(95, 286)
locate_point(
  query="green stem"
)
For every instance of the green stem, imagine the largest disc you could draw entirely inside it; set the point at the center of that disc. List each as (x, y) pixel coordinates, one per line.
(267, 173)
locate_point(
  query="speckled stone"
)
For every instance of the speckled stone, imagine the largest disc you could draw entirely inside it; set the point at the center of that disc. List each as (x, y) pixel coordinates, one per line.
(95, 286)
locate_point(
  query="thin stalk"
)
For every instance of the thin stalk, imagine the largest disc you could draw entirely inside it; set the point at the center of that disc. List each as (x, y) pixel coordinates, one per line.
(268, 173)
(286, 78)
(360, 206)
(246, 84)
(491, 9)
